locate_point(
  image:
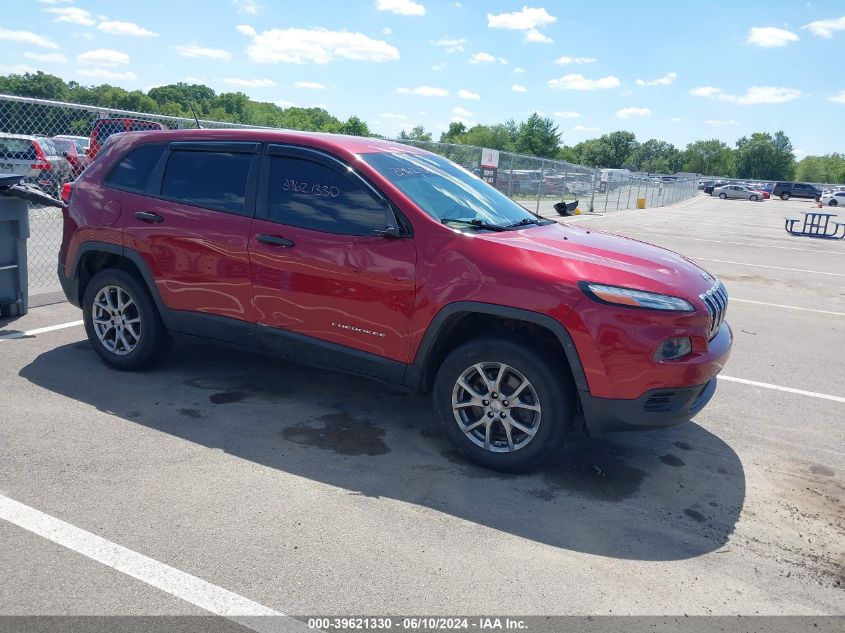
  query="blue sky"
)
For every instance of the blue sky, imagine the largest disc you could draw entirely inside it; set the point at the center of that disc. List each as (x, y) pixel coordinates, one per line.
(679, 71)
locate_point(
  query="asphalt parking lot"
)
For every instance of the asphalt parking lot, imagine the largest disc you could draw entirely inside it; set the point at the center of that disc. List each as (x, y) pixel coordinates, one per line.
(299, 491)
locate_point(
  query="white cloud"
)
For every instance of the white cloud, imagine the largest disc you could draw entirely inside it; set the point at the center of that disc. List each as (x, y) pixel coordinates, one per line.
(763, 94)
(386, 30)
(424, 91)
(316, 46)
(565, 61)
(103, 57)
(246, 6)
(676, 119)
(519, 88)
(17, 69)
(72, 15)
(720, 123)
(633, 113)
(799, 153)
(481, 58)
(770, 37)
(110, 75)
(245, 29)
(438, 67)
(27, 37)
(528, 20)
(705, 91)
(391, 115)
(575, 81)
(47, 58)
(309, 85)
(665, 80)
(567, 115)
(115, 27)
(55, 1)
(468, 95)
(838, 98)
(285, 104)
(518, 70)
(401, 7)
(586, 128)
(451, 46)
(249, 83)
(462, 112)
(192, 50)
(826, 28)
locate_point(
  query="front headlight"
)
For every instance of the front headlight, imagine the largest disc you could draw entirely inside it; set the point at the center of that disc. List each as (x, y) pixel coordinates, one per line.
(616, 295)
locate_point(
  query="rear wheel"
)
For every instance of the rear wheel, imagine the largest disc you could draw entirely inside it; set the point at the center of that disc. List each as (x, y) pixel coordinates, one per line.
(122, 322)
(833, 203)
(503, 402)
(784, 195)
(723, 195)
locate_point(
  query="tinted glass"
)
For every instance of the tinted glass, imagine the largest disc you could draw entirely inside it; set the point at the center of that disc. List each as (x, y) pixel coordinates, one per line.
(216, 180)
(133, 171)
(47, 147)
(314, 196)
(17, 149)
(444, 190)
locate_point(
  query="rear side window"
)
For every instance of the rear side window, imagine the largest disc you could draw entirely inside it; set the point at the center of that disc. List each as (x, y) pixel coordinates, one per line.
(313, 196)
(17, 149)
(216, 180)
(108, 128)
(141, 126)
(133, 170)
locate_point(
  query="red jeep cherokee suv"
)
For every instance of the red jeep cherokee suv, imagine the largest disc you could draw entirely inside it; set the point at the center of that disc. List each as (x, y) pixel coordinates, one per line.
(385, 260)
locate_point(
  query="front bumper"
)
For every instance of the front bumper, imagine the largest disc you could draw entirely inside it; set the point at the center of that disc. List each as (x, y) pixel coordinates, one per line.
(655, 409)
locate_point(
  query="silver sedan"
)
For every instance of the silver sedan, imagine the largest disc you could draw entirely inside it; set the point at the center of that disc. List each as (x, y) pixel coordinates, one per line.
(737, 191)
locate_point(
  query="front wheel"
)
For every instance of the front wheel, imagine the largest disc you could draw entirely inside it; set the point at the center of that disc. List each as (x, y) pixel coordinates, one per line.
(503, 402)
(122, 322)
(754, 198)
(832, 203)
(784, 196)
(723, 195)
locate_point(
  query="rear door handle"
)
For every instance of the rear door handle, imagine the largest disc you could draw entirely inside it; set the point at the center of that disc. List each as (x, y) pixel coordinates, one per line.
(151, 218)
(275, 240)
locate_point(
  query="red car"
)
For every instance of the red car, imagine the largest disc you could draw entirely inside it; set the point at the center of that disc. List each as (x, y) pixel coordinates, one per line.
(385, 260)
(74, 153)
(104, 128)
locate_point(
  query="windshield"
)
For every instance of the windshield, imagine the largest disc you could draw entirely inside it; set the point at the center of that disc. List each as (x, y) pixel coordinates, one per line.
(448, 192)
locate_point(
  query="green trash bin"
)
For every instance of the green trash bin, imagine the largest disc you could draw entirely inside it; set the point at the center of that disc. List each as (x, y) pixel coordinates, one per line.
(14, 231)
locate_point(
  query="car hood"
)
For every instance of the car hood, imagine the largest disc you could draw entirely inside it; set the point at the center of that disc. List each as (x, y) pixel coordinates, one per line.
(587, 254)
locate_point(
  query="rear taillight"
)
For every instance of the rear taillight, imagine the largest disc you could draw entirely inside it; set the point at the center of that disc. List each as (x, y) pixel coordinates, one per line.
(67, 190)
(41, 161)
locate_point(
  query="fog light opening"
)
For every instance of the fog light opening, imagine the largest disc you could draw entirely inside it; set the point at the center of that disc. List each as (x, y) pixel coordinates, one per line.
(673, 348)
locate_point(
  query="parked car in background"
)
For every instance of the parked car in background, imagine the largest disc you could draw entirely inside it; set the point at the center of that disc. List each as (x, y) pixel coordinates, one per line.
(765, 194)
(787, 190)
(708, 188)
(738, 192)
(833, 198)
(385, 260)
(83, 141)
(37, 159)
(104, 128)
(73, 151)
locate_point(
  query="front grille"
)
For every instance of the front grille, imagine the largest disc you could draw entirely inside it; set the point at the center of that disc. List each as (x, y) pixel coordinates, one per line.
(716, 300)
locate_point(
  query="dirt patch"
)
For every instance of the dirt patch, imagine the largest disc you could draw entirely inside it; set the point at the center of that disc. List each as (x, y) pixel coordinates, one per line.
(341, 433)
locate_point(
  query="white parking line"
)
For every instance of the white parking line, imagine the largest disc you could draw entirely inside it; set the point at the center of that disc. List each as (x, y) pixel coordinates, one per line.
(800, 392)
(795, 270)
(755, 245)
(780, 305)
(177, 583)
(41, 330)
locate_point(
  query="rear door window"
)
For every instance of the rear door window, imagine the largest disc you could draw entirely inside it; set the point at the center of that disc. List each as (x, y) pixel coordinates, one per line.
(312, 195)
(17, 149)
(210, 179)
(133, 171)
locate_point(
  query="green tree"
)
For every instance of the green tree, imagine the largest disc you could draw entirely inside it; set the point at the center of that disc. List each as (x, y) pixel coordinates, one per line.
(656, 156)
(453, 135)
(355, 127)
(711, 158)
(538, 136)
(763, 156)
(829, 168)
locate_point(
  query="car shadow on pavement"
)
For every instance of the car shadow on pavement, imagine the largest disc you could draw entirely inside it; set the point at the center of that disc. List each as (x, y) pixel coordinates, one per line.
(657, 495)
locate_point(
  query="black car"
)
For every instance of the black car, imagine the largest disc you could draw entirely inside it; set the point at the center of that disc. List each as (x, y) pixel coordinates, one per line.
(787, 190)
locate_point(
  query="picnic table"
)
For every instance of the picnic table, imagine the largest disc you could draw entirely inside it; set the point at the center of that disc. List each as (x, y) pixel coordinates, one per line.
(816, 224)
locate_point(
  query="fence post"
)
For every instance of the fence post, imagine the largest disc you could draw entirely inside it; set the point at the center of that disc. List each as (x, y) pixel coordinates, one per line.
(619, 195)
(510, 180)
(593, 190)
(540, 186)
(630, 187)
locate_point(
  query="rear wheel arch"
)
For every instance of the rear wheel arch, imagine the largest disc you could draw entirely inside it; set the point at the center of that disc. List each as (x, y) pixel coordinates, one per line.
(462, 321)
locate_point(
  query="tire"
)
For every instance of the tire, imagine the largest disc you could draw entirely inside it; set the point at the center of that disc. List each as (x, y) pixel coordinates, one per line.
(784, 195)
(143, 340)
(754, 198)
(723, 195)
(833, 203)
(549, 393)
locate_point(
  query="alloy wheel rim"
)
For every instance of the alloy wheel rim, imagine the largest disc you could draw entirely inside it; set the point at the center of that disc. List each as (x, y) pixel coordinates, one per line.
(116, 320)
(496, 407)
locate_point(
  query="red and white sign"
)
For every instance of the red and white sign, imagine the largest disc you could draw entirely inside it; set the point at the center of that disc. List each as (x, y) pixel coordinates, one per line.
(490, 158)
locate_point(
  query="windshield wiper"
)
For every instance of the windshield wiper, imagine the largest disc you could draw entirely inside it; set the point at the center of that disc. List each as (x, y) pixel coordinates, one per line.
(527, 221)
(478, 224)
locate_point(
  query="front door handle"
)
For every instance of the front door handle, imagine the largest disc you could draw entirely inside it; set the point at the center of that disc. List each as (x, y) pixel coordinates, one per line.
(275, 240)
(151, 218)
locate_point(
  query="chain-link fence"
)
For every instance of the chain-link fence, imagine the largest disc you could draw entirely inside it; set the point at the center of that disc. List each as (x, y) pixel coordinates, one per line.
(64, 135)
